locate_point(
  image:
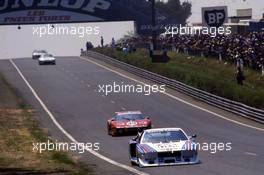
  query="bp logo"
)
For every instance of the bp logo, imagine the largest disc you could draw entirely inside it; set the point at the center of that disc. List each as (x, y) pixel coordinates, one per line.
(215, 18)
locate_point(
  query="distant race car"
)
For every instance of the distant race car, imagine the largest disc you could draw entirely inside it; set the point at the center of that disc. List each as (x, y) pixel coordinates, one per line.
(37, 54)
(47, 59)
(164, 146)
(125, 122)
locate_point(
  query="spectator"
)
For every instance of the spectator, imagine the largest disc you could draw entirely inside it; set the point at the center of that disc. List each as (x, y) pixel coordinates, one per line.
(102, 41)
(89, 45)
(113, 43)
(240, 76)
(262, 70)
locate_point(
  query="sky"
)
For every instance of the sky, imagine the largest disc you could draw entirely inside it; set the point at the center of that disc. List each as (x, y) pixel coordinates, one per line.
(20, 43)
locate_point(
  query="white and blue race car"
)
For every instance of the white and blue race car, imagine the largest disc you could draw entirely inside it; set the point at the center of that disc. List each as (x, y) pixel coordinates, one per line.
(47, 59)
(38, 53)
(164, 146)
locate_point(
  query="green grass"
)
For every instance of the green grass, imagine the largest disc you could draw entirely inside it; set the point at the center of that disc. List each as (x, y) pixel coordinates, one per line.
(63, 158)
(207, 74)
(18, 130)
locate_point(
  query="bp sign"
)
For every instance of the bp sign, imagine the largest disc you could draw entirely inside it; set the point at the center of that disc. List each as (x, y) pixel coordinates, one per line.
(214, 16)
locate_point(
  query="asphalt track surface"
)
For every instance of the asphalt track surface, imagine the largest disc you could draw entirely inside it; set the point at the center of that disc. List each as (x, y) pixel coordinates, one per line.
(70, 92)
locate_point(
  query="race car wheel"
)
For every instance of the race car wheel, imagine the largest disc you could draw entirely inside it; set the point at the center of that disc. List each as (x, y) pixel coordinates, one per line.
(133, 163)
(111, 132)
(139, 164)
(108, 130)
(114, 133)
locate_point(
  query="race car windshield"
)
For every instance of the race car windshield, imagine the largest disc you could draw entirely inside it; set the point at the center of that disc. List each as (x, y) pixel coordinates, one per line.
(47, 55)
(163, 137)
(125, 117)
(42, 51)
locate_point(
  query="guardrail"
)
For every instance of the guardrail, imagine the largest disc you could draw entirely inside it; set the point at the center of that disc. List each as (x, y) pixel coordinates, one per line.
(220, 102)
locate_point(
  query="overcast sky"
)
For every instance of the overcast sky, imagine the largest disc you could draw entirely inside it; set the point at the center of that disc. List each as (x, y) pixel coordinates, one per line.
(20, 43)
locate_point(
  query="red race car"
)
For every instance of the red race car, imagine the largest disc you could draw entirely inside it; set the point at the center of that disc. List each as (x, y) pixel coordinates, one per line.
(127, 122)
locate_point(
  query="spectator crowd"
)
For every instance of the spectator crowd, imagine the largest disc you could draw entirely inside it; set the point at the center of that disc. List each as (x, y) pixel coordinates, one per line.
(242, 50)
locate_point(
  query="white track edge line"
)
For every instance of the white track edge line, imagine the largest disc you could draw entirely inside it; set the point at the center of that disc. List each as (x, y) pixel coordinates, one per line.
(174, 97)
(133, 170)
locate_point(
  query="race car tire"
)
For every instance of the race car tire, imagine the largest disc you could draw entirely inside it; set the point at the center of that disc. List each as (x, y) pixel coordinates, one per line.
(112, 132)
(139, 164)
(108, 130)
(133, 163)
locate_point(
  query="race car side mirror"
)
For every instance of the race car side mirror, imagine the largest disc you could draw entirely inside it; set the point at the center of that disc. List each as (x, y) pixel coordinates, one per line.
(134, 139)
(112, 119)
(147, 117)
(194, 136)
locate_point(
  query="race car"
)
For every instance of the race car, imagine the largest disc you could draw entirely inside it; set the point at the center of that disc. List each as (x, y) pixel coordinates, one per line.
(47, 59)
(127, 122)
(37, 54)
(164, 146)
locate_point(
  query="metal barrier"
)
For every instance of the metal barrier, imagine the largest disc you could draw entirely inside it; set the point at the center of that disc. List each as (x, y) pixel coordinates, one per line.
(220, 102)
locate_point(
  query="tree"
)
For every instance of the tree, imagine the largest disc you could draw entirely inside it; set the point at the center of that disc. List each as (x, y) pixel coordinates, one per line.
(175, 10)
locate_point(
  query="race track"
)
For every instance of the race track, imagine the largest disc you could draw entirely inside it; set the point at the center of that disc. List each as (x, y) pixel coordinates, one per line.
(70, 91)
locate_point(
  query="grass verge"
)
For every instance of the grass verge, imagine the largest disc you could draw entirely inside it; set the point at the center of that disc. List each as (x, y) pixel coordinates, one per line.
(18, 132)
(207, 74)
